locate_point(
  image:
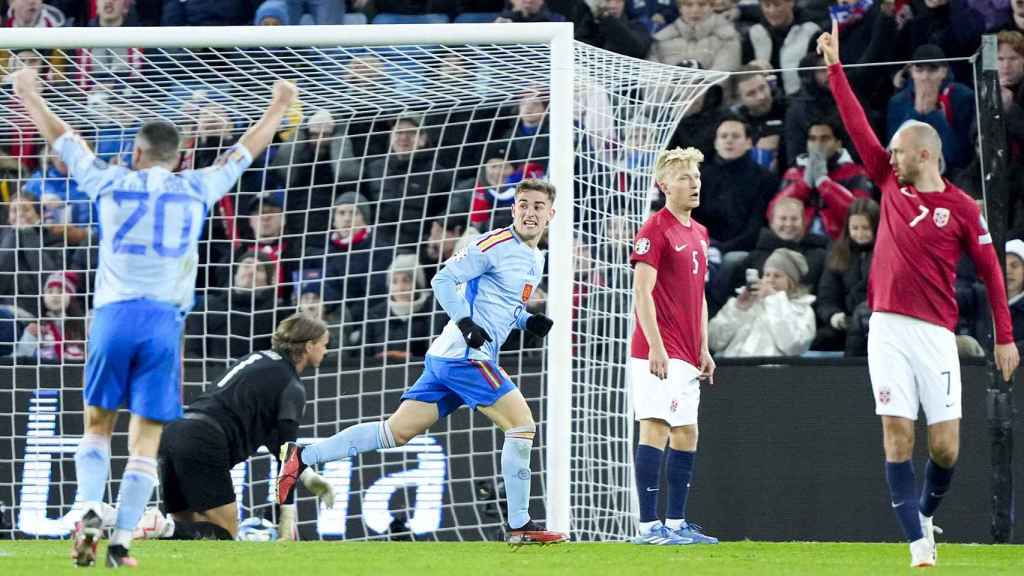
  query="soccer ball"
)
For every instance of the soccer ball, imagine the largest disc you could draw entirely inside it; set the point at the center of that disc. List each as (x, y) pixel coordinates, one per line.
(257, 530)
(153, 525)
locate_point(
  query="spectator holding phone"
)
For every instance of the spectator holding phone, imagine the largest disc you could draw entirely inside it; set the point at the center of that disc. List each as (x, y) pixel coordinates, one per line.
(771, 315)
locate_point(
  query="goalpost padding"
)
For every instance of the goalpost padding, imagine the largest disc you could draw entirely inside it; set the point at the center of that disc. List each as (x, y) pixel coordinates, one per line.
(607, 117)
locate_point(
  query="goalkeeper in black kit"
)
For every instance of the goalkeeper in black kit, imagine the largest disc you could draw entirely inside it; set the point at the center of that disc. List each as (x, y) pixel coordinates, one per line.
(258, 402)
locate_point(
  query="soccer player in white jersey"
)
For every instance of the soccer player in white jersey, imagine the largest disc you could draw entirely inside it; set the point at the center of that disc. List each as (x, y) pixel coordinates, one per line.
(484, 289)
(150, 219)
(669, 353)
(926, 224)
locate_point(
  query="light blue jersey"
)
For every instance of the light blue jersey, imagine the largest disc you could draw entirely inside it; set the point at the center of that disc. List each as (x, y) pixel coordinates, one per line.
(490, 280)
(150, 221)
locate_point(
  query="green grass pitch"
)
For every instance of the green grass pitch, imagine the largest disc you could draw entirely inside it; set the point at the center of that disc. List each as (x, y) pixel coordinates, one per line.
(493, 559)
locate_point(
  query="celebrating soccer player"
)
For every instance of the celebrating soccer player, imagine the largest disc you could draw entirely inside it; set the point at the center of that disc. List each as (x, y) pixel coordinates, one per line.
(145, 285)
(926, 224)
(484, 289)
(669, 352)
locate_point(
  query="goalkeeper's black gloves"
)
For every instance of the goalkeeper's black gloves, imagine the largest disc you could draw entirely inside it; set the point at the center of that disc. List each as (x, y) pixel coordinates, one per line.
(539, 324)
(474, 335)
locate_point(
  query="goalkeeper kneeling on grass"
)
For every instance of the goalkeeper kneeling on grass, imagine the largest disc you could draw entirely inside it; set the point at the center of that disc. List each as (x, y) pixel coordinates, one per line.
(258, 402)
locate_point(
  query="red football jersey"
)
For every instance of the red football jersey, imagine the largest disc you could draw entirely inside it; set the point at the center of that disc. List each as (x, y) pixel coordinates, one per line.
(921, 236)
(680, 254)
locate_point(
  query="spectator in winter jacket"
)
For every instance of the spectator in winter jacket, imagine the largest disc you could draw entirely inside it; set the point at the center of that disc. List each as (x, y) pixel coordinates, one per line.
(825, 179)
(616, 33)
(786, 229)
(356, 258)
(934, 98)
(266, 228)
(842, 307)
(59, 335)
(698, 34)
(1015, 287)
(951, 24)
(28, 253)
(232, 322)
(310, 165)
(401, 326)
(65, 209)
(408, 185)
(764, 111)
(771, 317)
(782, 38)
(528, 137)
(735, 189)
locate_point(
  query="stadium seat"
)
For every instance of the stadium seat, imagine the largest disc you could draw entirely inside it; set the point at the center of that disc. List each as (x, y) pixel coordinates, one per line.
(389, 18)
(476, 17)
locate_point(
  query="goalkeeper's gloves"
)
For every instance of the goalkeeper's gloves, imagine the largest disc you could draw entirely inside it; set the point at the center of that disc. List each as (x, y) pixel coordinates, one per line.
(474, 335)
(316, 484)
(539, 324)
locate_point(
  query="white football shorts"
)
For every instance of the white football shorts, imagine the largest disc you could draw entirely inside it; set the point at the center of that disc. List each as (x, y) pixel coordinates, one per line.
(674, 400)
(913, 363)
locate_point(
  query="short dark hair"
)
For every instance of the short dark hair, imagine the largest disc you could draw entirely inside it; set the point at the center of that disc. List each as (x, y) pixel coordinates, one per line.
(748, 130)
(538, 185)
(828, 120)
(162, 140)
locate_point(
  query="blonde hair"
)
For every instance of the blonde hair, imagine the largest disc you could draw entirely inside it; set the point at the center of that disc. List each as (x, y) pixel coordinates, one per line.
(677, 158)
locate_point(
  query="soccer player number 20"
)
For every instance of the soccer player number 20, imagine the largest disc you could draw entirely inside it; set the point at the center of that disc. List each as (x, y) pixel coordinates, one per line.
(159, 220)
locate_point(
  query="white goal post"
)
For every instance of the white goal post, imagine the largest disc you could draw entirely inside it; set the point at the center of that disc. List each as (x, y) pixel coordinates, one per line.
(607, 117)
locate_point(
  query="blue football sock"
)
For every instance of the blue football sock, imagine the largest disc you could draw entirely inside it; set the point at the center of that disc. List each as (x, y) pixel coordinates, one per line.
(648, 476)
(679, 470)
(349, 442)
(515, 470)
(136, 489)
(936, 484)
(903, 491)
(92, 464)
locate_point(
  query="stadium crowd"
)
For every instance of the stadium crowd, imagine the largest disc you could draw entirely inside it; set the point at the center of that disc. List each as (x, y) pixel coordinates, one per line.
(348, 219)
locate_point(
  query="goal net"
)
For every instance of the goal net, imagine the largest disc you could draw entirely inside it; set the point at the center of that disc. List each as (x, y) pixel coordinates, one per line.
(394, 157)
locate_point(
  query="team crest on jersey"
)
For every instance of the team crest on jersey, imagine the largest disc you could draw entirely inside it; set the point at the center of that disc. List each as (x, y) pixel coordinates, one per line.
(674, 406)
(941, 217)
(704, 247)
(643, 246)
(527, 291)
(884, 396)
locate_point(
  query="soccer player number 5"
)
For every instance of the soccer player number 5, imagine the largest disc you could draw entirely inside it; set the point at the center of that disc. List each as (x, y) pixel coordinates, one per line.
(919, 217)
(696, 264)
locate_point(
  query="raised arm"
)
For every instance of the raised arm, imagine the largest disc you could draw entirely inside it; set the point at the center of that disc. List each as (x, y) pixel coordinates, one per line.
(261, 134)
(26, 87)
(871, 151)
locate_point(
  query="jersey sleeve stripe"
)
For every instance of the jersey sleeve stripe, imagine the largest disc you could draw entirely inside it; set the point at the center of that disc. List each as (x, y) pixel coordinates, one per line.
(492, 241)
